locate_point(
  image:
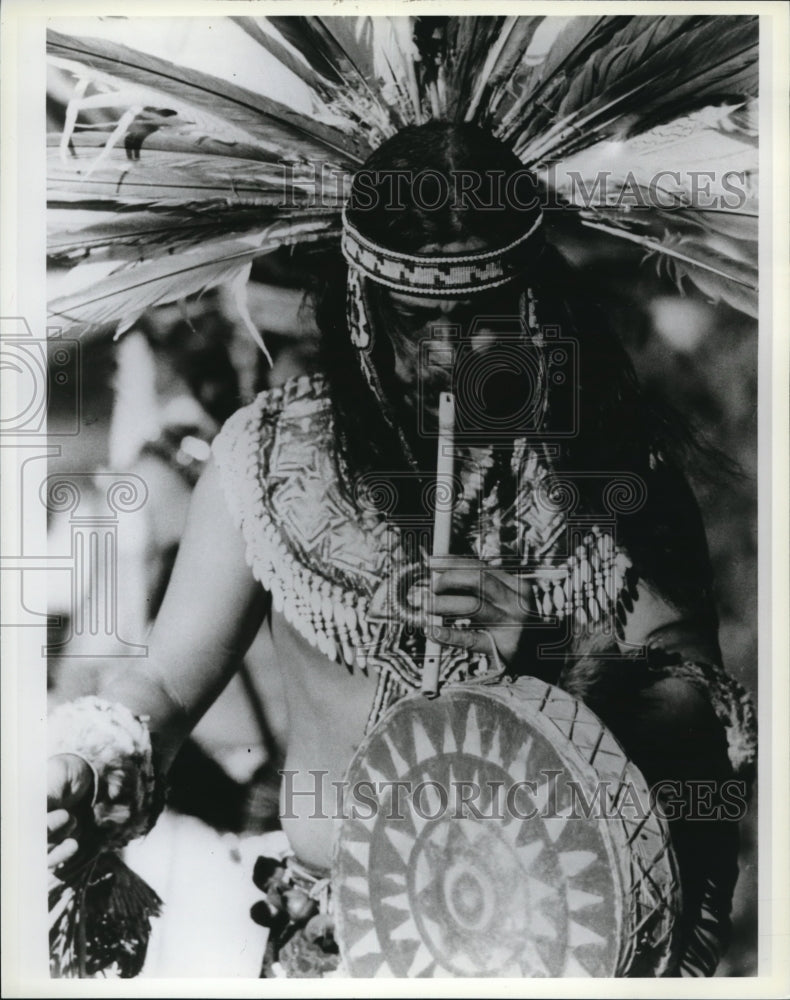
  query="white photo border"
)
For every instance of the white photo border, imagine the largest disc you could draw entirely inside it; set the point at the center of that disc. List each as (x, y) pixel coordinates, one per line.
(24, 968)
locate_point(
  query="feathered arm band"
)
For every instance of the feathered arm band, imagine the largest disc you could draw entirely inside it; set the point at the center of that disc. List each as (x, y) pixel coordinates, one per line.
(100, 910)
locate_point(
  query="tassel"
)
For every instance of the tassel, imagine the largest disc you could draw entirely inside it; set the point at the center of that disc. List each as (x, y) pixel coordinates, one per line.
(100, 920)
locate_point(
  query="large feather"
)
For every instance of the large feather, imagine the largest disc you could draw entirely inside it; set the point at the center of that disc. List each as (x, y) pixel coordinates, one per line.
(660, 182)
(165, 177)
(174, 136)
(358, 99)
(719, 274)
(498, 74)
(531, 112)
(469, 43)
(362, 57)
(674, 159)
(259, 28)
(125, 294)
(256, 115)
(143, 235)
(651, 70)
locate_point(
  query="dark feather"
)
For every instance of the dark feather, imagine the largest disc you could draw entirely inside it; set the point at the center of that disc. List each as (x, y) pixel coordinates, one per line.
(654, 69)
(255, 114)
(105, 925)
(164, 177)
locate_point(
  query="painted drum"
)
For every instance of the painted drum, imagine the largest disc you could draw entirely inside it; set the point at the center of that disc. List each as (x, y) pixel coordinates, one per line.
(500, 830)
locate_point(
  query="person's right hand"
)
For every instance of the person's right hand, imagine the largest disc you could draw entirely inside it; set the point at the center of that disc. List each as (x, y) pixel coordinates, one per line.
(69, 794)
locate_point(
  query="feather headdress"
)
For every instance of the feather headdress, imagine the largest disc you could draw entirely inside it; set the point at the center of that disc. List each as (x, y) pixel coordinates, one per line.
(172, 177)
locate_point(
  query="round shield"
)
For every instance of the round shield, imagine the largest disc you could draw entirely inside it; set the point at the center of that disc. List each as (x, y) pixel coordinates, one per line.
(500, 830)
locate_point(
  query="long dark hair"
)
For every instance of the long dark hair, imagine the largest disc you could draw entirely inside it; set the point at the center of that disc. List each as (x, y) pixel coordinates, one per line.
(613, 426)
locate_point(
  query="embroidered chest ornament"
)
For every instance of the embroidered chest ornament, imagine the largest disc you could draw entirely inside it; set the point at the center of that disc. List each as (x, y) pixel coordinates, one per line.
(339, 571)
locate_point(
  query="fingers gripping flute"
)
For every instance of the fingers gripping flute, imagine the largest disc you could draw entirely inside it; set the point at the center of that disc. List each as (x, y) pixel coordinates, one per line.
(442, 525)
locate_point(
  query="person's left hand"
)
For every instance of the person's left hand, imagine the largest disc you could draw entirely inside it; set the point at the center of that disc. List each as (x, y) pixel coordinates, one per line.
(497, 606)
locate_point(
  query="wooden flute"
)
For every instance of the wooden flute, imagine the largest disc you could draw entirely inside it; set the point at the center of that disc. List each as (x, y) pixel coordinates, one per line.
(442, 526)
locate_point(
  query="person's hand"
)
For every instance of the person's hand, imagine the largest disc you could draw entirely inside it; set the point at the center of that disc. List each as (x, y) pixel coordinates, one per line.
(491, 604)
(69, 793)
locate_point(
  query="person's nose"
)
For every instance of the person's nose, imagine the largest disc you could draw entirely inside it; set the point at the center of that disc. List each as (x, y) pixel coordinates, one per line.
(451, 307)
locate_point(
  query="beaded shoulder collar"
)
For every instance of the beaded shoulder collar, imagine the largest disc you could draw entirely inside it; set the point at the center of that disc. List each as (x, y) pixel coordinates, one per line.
(336, 567)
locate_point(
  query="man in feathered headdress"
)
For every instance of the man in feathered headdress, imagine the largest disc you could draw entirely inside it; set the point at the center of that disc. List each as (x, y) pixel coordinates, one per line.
(571, 525)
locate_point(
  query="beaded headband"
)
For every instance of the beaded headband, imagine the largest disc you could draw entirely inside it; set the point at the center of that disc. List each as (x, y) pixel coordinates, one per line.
(428, 274)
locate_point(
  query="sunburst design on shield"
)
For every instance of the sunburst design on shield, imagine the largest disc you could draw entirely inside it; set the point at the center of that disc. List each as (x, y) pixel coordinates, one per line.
(474, 844)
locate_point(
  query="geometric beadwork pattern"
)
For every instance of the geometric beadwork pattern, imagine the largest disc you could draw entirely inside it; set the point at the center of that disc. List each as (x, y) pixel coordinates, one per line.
(325, 559)
(459, 273)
